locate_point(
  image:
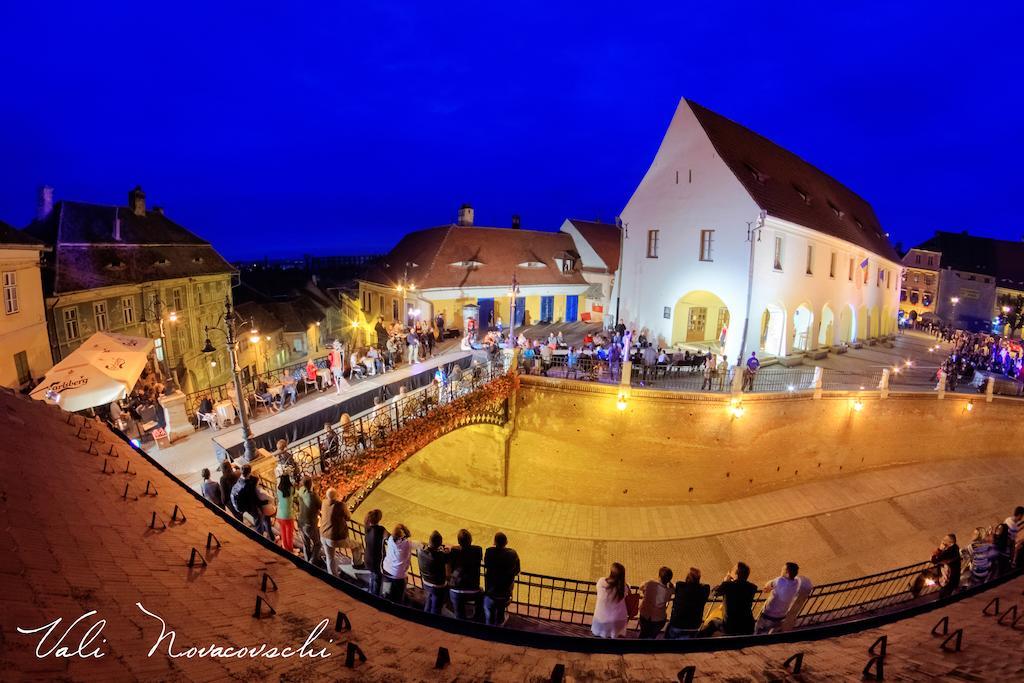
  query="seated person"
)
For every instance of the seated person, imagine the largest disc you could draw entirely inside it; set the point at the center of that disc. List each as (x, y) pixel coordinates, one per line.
(205, 411)
(288, 388)
(263, 391)
(737, 595)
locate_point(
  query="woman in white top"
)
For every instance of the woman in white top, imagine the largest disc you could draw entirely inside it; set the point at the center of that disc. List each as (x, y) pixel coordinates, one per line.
(397, 556)
(610, 614)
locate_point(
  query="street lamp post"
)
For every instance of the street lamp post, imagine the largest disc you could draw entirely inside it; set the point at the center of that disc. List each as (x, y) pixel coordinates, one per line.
(513, 292)
(230, 321)
(170, 382)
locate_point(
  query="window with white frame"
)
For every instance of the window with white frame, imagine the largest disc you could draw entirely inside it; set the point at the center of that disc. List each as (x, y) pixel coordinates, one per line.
(810, 259)
(707, 240)
(176, 301)
(10, 292)
(128, 310)
(777, 261)
(652, 243)
(71, 323)
(99, 312)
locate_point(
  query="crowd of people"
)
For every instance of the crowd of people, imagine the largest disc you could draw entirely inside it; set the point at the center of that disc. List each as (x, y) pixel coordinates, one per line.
(479, 584)
(976, 353)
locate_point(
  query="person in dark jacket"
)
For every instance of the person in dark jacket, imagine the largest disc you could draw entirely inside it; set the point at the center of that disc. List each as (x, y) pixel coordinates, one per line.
(433, 561)
(464, 585)
(737, 595)
(691, 597)
(309, 523)
(211, 489)
(228, 477)
(945, 572)
(374, 535)
(502, 566)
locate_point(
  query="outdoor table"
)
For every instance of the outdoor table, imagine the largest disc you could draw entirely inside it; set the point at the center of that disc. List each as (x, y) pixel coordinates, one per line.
(225, 411)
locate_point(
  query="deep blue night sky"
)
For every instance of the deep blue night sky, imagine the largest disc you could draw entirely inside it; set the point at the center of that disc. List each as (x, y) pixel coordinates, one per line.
(326, 127)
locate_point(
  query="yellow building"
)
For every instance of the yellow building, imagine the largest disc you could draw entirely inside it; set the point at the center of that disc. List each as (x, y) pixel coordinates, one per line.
(438, 272)
(133, 271)
(24, 351)
(920, 286)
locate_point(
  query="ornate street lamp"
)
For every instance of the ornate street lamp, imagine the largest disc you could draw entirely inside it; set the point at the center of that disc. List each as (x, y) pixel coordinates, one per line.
(231, 325)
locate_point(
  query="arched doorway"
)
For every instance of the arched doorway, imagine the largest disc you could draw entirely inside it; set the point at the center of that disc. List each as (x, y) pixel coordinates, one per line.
(700, 318)
(826, 333)
(886, 321)
(802, 319)
(773, 330)
(874, 322)
(860, 331)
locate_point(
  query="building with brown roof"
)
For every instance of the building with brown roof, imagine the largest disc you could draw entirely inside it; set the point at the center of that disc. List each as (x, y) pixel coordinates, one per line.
(24, 352)
(734, 243)
(441, 271)
(128, 269)
(977, 276)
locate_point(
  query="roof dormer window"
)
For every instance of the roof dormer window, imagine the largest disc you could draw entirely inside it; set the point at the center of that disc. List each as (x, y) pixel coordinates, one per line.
(758, 176)
(468, 265)
(804, 197)
(161, 262)
(116, 264)
(836, 210)
(532, 264)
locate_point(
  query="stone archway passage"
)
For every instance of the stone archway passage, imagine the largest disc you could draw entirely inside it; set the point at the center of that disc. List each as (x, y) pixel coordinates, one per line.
(773, 329)
(802, 325)
(826, 331)
(700, 317)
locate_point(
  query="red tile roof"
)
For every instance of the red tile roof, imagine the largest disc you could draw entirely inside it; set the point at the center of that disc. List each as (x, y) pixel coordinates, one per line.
(789, 188)
(604, 238)
(487, 257)
(11, 237)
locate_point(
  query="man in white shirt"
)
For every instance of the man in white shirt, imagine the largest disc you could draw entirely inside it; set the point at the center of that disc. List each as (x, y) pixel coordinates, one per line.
(782, 592)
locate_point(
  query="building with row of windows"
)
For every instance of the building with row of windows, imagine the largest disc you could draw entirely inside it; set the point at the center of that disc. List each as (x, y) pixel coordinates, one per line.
(736, 244)
(443, 272)
(25, 353)
(964, 280)
(131, 270)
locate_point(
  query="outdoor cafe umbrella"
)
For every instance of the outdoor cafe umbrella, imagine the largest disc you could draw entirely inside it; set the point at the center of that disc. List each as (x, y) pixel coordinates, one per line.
(101, 370)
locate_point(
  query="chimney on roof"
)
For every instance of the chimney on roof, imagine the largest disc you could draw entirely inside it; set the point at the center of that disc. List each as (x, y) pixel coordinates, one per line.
(44, 203)
(117, 225)
(158, 210)
(466, 215)
(515, 221)
(137, 201)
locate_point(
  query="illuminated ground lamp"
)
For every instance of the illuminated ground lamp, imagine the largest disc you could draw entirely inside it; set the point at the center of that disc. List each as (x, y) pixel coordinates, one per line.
(969, 407)
(909, 364)
(791, 388)
(620, 403)
(736, 409)
(857, 405)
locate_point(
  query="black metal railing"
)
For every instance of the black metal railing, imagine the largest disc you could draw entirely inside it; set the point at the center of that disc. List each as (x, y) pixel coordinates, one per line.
(315, 454)
(564, 601)
(586, 367)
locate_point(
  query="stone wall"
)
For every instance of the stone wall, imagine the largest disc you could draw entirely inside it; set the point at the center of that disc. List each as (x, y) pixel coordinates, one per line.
(471, 458)
(669, 449)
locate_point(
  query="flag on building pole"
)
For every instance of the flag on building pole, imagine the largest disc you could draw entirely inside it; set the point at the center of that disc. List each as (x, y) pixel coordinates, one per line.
(864, 263)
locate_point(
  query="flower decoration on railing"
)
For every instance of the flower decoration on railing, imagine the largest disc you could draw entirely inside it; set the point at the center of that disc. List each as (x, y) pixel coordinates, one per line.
(356, 474)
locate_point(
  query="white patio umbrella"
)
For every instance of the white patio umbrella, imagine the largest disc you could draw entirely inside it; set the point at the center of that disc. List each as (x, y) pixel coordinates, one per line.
(102, 369)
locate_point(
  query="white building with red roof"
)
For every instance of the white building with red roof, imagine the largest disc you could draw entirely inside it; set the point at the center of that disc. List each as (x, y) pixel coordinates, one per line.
(734, 243)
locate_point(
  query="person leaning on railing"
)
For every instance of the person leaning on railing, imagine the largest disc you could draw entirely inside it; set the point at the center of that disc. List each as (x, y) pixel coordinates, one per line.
(374, 536)
(465, 560)
(398, 551)
(737, 593)
(691, 596)
(334, 532)
(610, 611)
(782, 592)
(309, 523)
(945, 571)
(433, 562)
(654, 609)
(501, 564)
